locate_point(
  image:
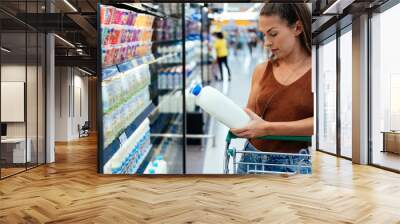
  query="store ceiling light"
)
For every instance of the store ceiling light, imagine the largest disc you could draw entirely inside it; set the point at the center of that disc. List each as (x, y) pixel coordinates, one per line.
(84, 71)
(70, 5)
(234, 16)
(5, 50)
(65, 41)
(225, 8)
(79, 51)
(254, 7)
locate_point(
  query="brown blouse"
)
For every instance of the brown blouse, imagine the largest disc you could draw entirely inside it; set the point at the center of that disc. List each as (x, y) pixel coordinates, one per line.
(283, 103)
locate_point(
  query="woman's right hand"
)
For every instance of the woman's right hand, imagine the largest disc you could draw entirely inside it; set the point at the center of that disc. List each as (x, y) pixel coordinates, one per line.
(257, 127)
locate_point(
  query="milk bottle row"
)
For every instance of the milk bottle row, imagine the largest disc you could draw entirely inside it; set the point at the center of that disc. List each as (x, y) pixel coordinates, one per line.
(169, 49)
(170, 53)
(192, 51)
(120, 118)
(131, 153)
(171, 78)
(172, 103)
(175, 58)
(121, 87)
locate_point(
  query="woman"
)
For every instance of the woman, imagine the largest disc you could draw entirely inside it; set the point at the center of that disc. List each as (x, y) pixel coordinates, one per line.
(281, 101)
(221, 48)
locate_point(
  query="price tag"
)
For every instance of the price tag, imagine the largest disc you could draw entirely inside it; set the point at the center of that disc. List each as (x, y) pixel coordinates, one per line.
(122, 138)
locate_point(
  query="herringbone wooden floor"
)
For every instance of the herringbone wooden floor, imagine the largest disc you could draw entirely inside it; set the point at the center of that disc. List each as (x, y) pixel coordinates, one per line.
(70, 191)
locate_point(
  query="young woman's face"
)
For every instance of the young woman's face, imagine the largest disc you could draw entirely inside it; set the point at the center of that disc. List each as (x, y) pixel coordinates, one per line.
(279, 37)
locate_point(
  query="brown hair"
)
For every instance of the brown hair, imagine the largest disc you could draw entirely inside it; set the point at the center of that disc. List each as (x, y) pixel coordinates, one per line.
(291, 13)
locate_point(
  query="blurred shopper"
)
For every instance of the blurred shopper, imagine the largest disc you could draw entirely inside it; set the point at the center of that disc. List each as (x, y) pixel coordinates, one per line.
(253, 40)
(232, 42)
(221, 48)
(241, 41)
(248, 40)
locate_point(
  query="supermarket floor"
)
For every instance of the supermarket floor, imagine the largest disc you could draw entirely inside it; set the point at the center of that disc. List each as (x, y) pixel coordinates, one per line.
(209, 159)
(70, 191)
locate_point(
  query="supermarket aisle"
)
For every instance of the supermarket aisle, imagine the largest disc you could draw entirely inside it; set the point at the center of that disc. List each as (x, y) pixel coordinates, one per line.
(210, 159)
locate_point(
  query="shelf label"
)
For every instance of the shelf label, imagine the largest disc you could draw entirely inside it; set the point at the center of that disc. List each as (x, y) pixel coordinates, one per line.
(122, 138)
(125, 66)
(109, 72)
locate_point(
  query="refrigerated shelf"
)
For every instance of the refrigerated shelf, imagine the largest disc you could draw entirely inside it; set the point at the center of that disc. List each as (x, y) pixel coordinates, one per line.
(114, 146)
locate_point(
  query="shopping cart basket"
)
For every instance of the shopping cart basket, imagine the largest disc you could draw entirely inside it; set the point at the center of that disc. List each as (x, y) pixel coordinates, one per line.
(260, 168)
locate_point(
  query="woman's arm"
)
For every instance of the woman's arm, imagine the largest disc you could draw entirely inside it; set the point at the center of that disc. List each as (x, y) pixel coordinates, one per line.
(259, 127)
(299, 127)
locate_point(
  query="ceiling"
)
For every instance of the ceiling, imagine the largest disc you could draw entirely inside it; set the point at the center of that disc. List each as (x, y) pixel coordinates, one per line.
(330, 16)
(233, 7)
(72, 20)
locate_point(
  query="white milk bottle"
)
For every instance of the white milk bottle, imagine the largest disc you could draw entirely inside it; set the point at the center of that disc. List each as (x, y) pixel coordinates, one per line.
(219, 106)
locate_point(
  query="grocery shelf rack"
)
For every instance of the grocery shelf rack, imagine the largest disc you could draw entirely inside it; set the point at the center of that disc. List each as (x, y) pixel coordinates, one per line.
(164, 126)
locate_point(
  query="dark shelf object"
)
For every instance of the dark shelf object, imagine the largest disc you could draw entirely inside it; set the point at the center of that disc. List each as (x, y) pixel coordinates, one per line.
(145, 9)
(195, 126)
(166, 65)
(167, 42)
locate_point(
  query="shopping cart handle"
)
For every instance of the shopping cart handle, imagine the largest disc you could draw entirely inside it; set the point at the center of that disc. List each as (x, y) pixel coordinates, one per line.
(231, 136)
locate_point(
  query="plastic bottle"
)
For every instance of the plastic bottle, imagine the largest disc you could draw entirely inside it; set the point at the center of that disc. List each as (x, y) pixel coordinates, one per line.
(150, 169)
(171, 79)
(163, 80)
(219, 106)
(160, 165)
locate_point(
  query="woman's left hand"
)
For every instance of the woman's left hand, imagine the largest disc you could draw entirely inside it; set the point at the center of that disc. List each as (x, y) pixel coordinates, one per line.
(257, 127)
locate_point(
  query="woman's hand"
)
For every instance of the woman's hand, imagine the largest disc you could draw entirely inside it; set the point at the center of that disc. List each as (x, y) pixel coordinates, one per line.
(257, 127)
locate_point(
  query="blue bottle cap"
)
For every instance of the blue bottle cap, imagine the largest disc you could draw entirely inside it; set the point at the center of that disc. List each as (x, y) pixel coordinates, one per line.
(196, 90)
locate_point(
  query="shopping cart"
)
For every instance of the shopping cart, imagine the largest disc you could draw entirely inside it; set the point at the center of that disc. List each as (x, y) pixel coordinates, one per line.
(260, 168)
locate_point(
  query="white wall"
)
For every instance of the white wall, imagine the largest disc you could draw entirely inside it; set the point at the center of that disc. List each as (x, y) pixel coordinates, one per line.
(81, 85)
(61, 103)
(16, 73)
(71, 94)
(33, 126)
